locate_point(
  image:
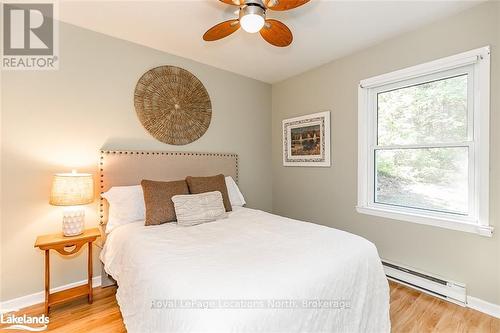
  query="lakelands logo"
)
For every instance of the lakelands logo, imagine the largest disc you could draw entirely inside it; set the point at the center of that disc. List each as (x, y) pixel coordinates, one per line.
(24, 322)
(30, 36)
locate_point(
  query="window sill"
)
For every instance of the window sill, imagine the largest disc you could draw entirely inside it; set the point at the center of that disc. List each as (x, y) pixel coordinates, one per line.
(482, 230)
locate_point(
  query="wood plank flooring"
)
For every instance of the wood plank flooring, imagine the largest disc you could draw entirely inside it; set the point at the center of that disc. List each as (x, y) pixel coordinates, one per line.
(414, 311)
(103, 315)
(411, 311)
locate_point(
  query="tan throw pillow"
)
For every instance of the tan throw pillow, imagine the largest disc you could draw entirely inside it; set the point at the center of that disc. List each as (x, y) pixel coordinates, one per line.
(158, 200)
(194, 209)
(210, 184)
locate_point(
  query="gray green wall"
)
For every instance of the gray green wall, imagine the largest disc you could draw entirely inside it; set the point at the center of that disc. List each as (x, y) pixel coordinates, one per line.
(59, 120)
(328, 195)
(55, 121)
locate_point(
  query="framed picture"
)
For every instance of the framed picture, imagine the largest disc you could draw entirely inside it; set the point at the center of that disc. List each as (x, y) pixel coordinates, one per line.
(306, 140)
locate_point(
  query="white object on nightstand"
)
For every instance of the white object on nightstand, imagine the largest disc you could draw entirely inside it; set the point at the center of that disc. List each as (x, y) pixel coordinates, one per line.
(73, 221)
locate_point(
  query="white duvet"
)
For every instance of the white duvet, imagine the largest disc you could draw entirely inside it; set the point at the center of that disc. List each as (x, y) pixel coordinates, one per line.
(251, 272)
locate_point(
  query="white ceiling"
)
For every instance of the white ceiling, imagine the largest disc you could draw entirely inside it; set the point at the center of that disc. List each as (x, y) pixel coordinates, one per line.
(323, 30)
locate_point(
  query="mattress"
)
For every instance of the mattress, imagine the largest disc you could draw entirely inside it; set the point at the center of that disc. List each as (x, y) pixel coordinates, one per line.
(251, 272)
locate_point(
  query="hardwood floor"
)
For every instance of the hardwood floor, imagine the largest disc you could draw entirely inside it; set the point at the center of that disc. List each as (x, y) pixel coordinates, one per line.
(103, 315)
(411, 311)
(414, 311)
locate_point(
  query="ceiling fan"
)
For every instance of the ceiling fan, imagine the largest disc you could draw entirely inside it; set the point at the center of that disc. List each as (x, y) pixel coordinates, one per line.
(252, 18)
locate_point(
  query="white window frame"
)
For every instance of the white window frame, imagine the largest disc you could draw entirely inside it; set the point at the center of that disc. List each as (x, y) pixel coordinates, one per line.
(476, 63)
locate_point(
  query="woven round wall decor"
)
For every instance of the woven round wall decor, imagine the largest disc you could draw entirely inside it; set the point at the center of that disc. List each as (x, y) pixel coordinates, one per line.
(172, 105)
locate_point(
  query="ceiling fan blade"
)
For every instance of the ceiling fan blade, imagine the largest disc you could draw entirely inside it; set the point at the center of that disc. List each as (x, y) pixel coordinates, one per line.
(221, 30)
(283, 4)
(276, 33)
(234, 2)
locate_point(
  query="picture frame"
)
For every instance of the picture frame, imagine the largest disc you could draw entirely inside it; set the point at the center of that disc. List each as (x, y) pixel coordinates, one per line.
(306, 140)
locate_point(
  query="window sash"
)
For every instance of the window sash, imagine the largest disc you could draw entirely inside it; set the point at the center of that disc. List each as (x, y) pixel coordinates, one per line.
(374, 146)
(466, 70)
(476, 65)
(469, 217)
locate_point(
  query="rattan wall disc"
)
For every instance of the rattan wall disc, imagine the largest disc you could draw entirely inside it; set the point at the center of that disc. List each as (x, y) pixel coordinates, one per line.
(173, 105)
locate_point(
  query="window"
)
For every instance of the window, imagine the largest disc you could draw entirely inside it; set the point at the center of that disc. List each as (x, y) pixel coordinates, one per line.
(424, 143)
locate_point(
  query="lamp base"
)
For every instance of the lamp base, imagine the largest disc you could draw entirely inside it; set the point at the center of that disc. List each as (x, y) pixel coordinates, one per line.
(73, 222)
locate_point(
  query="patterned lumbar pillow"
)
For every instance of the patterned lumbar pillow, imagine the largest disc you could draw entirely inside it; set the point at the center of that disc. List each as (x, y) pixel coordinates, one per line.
(196, 209)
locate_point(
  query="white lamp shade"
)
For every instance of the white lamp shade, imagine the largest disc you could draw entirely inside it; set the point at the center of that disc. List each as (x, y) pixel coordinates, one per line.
(72, 189)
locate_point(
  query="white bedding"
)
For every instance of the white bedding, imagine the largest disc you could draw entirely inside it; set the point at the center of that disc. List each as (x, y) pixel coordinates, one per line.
(252, 255)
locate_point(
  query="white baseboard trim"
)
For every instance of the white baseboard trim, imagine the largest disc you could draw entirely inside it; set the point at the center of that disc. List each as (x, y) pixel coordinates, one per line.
(39, 297)
(483, 306)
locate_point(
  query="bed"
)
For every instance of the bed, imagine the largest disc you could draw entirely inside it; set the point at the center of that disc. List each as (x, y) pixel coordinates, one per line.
(250, 272)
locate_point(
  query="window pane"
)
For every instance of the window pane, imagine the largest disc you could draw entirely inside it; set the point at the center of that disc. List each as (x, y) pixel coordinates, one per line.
(432, 112)
(431, 178)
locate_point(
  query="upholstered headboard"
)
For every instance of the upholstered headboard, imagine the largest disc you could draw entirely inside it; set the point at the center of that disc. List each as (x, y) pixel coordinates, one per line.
(122, 168)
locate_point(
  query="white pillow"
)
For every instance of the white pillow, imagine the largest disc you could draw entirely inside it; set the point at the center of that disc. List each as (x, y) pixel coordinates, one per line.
(235, 196)
(193, 209)
(126, 205)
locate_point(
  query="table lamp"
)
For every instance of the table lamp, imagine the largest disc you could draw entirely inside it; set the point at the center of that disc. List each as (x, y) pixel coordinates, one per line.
(72, 190)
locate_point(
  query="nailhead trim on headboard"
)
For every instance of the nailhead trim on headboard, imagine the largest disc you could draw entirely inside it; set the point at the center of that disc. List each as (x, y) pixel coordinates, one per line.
(129, 152)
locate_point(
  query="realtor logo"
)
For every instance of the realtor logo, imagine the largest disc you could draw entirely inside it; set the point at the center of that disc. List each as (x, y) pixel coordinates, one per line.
(22, 322)
(29, 36)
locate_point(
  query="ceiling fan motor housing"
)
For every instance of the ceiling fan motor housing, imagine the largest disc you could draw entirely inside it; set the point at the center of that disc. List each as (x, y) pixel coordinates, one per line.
(259, 3)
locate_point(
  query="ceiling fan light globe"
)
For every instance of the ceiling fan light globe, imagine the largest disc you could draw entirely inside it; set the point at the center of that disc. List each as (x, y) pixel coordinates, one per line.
(252, 23)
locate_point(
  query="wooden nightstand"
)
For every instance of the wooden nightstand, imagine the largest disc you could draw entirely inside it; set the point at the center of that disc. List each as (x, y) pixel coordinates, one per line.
(67, 246)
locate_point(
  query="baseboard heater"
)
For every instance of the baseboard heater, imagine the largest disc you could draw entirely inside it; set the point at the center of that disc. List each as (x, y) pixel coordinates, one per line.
(449, 290)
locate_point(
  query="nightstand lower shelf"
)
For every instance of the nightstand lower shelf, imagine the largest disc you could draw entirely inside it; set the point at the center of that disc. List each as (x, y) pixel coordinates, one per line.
(68, 294)
(67, 246)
